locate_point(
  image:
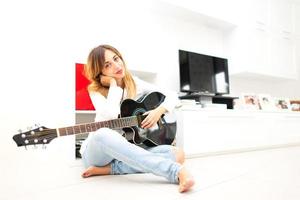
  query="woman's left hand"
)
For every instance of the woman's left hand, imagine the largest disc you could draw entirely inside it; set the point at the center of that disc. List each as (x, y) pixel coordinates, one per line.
(152, 117)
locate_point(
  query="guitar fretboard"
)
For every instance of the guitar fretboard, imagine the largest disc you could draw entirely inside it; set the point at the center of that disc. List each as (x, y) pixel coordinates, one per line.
(90, 127)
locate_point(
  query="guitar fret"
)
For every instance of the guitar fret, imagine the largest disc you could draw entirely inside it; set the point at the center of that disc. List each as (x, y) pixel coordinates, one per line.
(88, 127)
(98, 125)
(122, 123)
(77, 129)
(128, 122)
(93, 127)
(82, 128)
(118, 125)
(70, 130)
(62, 131)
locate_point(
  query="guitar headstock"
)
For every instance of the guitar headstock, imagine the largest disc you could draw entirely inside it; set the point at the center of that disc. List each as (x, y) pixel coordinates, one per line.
(38, 135)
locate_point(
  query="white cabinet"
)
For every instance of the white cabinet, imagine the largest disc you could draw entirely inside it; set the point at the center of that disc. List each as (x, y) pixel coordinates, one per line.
(203, 132)
(259, 12)
(281, 15)
(282, 56)
(247, 50)
(260, 52)
(261, 39)
(212, 11)
(296, 13)
(264, 45)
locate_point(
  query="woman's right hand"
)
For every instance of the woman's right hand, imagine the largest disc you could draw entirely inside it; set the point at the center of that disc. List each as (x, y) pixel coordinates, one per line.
(108, 81)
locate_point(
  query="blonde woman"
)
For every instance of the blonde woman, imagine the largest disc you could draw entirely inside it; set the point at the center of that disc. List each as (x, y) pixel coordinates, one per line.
(106, 151)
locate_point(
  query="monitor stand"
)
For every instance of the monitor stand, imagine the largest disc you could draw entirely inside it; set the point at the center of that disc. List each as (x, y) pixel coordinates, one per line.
(205, 99)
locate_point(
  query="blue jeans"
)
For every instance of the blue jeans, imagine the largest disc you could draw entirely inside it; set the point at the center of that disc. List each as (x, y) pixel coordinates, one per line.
(107, 146)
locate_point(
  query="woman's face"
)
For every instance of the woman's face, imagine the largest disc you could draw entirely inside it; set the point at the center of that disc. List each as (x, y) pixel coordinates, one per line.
(113, 65)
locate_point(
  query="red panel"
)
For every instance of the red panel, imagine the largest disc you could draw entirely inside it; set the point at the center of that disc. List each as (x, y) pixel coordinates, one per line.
(82, 101)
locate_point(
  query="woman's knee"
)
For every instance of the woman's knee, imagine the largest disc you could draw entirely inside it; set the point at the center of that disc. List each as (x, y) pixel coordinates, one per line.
(106, 135)
(179, 154)
(101, 135)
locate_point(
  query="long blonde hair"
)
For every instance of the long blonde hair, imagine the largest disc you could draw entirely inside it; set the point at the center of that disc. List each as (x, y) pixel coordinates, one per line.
(93, 71)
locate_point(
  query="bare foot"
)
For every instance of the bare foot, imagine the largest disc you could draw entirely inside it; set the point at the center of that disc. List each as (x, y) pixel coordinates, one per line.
(93, 171)
(186, 181)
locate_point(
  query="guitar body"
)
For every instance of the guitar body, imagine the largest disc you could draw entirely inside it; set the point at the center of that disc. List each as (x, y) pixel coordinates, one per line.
(163, 133)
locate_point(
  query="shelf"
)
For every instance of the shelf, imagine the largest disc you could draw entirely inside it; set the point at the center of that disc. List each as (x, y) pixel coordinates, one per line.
(143, 74)
(261, 76)
(221, 111)
(85, 112)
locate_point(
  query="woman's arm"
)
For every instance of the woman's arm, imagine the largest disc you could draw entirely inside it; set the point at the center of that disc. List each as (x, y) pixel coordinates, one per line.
(170, 102)
(109, 107)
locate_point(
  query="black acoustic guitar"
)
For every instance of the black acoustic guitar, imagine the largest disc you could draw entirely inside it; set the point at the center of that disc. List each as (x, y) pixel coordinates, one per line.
(131, 116)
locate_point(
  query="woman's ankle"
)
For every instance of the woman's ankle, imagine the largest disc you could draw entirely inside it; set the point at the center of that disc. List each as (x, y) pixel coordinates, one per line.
(186, 180)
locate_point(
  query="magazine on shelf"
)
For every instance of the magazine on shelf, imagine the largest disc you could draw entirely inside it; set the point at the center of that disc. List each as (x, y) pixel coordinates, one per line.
(295, 105)
(250, 101)
(266, 102)
(282, 103)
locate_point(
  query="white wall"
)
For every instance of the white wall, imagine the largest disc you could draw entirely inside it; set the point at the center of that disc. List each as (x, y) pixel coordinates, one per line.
(41, 40)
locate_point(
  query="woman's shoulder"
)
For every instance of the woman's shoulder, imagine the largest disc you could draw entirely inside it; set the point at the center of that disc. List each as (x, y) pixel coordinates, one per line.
(95, 94)
(136, 79)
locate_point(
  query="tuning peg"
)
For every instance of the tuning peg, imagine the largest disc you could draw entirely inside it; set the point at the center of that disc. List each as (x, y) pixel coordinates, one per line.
(25, 147)
(37, 125)
(44, 146)
(29, 128)
(20, 131)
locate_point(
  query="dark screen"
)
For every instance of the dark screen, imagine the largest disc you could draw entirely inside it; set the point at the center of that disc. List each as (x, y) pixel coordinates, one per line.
(203, 73)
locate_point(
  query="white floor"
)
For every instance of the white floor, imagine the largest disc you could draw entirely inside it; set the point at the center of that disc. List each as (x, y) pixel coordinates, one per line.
(270, 174)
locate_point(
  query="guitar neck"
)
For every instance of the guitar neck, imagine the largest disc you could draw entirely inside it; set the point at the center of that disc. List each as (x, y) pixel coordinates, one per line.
(91, 127)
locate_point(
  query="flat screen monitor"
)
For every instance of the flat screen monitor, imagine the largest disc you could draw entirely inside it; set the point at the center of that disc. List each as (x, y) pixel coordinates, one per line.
(203, 74)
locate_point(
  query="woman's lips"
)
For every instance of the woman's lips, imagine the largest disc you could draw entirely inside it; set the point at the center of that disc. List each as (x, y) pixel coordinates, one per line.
(119, 72)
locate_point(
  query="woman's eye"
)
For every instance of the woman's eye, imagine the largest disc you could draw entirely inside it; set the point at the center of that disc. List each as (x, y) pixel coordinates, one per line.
(107, 65)
(116, 59)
